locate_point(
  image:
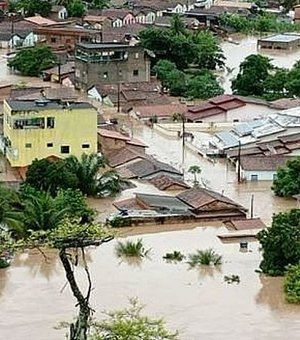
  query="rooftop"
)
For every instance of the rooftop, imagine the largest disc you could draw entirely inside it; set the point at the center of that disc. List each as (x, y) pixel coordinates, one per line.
(39, 20)
(165, 182)
(246, 224)
(121, 156)
(45, 104)
(285, 38)
(104, 46)
(200, 197)
(263, 163)
(163, 202)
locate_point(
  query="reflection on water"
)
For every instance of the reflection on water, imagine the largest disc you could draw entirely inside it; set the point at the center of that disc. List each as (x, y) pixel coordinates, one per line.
(193, 301)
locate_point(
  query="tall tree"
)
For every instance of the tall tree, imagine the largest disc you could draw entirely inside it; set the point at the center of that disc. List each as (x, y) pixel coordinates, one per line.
(86, 170)
(33, 7)
(281, 243)
(76, 8)
(204, 86)
(253, 72)
(287, 182)
(31, 61)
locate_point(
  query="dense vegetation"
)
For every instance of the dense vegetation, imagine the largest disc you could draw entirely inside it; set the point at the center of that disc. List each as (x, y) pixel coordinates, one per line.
(258, 77)
(31, 61)
(132, 249)
(292, 284)
(287, 182)
(257, 23)
(184, 59)
(73, 173)
(281, 243)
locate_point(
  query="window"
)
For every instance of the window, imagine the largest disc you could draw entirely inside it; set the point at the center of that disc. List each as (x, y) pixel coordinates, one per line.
(254, 178)
(53, 40)
(28, 145)
(85, 146)
(50, 122)
(105, 75)
(135, 73)
(274, 176)
(136, 55)
(236, 120)
(68, 41)
(65, 149)
(49, 145)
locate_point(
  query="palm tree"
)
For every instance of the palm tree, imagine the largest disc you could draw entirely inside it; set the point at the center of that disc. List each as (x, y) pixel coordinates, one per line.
(110, 184)
(10, 213)
(87, 171)
(41, 212)
(195, 170)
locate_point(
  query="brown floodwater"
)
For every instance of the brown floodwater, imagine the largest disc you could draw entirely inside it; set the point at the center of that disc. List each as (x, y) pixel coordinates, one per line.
(197, 302)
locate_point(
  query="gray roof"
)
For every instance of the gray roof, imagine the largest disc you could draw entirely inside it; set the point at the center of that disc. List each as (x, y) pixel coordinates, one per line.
(285, 38)
(170, 203)
(27, 105)
(147, 167)
(98, 46)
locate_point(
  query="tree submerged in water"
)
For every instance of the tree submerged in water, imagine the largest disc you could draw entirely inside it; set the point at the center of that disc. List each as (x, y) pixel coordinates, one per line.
(206, 257)
(130, 324)
(132, 249)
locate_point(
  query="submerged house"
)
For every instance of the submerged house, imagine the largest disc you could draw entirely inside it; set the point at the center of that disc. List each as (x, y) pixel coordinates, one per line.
(191, 204)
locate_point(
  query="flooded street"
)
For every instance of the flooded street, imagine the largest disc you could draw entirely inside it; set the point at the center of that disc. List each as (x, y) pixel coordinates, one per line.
(235, 54)
(196, 302)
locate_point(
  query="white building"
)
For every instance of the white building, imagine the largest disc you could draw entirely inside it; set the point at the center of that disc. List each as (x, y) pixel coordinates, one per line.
(260, 168)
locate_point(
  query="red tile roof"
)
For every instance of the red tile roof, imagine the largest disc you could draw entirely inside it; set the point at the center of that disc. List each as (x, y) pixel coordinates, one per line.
(160, 111)
(165, 182)
(112, 134)
(122, 156)
(214, 106)
(263, 163)
(253, 223)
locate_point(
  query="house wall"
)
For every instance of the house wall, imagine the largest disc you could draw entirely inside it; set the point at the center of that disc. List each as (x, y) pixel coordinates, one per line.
(30, 40)
(117, 22)
(242, 114)
(93, 93)
(88, 74)
(150, 17)
(129, 19)
(81, 129)
(261, 175)
(15, 41)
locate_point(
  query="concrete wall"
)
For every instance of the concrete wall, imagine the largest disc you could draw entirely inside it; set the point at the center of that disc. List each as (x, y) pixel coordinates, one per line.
(261, 175)
(111, 72)
(72, 128)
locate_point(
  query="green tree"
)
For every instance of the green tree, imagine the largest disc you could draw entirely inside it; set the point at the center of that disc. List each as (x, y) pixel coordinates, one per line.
(32, 7)
(98, 4)
(287, 182)
(130, 324)
(275, 84)
(204, 86)
(76, 9)
(292, 284)
(280, 243)
(177, 25)
(195, 170)
(253, 72)
(176, 83)
(110, 184)
(86, 169)
(31, 61)
(50, 176)
(162, 69)
(209, 54)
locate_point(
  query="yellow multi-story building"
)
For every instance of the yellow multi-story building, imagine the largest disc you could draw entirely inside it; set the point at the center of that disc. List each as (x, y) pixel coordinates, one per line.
(46, 128)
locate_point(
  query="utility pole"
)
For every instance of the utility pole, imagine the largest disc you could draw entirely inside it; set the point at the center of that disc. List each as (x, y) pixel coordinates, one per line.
(239, 163)
(119, 86)
(251, 206)
(183, 138)
(59, 70)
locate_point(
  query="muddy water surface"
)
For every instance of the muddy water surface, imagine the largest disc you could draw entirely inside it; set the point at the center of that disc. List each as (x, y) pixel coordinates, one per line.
(197, 302)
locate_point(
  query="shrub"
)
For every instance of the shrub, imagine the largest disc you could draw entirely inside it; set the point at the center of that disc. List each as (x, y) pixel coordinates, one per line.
(292, 284)
(175, 256)
(132, 249)
(206, 257)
